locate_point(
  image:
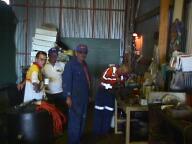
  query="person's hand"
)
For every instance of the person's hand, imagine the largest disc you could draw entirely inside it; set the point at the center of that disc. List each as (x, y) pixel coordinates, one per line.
(69, 101)
(41, 85)
(118, 79)
(36, 87)
(90, 99)
(21, 85)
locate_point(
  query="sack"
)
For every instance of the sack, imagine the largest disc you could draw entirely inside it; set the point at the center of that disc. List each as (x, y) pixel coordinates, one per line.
(184, 113)
(174, 62)
(177, 81)
(187, 80)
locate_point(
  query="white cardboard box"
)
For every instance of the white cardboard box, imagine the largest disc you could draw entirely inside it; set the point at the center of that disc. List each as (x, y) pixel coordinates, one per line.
(40, 48)
(43, 42)
(46, 32)
(45, 37)
(155, 97)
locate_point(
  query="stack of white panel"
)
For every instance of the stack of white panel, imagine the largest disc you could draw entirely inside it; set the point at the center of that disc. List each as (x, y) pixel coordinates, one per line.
(43, 40)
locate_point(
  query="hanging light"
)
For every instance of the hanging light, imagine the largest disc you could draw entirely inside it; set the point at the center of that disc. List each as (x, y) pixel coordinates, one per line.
(139, 43)
(135, 34)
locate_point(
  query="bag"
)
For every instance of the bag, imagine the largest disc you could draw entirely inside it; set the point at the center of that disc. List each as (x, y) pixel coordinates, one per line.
(181, 62)
(177, 81)
(174, 62)
(183, 112)
(185, 63)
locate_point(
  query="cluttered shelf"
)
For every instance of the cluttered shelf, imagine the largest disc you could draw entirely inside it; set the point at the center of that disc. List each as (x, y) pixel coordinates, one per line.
(178, 126)
(170, 117)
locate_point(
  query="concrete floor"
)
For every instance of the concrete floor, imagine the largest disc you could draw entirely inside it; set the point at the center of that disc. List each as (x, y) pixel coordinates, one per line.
(88, 138)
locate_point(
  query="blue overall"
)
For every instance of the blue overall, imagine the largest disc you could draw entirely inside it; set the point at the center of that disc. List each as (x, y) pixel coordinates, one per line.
(104, 108)
(75, 84)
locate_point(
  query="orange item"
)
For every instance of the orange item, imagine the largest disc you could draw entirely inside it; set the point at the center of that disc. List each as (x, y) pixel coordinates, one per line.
(58, 117)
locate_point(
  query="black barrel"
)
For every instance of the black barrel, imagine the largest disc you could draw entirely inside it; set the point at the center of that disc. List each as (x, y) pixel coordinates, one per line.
(28, 126)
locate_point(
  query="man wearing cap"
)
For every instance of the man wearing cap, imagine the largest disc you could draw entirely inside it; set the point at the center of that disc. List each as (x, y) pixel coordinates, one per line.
(76, 85)
(52, 72)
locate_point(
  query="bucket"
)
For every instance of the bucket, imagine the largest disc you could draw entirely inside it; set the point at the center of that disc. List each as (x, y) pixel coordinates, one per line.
(27, 126)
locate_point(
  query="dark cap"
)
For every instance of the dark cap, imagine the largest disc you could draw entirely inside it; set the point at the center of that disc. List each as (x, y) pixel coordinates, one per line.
(53, 50)
(81, 48)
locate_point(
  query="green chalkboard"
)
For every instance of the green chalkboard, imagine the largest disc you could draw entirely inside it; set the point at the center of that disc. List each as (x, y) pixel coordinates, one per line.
(102, 52)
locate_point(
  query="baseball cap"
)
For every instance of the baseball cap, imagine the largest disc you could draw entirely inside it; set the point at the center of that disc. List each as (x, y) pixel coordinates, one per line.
(53, 50)
(82, 48)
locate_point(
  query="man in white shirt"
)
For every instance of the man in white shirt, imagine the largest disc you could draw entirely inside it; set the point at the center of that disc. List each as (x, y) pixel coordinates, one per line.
(53, 71)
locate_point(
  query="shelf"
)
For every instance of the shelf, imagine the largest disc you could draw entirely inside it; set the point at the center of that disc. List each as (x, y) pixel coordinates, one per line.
(121, 120)
(138, 142)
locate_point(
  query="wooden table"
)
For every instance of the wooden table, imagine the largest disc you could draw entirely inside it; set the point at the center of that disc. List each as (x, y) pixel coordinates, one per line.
(128, 109)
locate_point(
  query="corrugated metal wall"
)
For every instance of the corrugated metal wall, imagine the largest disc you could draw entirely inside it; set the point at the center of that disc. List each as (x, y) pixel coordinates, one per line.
(148, 27)
(74, 18)
(189, 29)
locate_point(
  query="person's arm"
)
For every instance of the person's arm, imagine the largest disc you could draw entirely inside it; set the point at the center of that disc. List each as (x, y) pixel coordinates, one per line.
(69, 101)
(109, 76)
(37, 85)
(67, 84)
(21, 85)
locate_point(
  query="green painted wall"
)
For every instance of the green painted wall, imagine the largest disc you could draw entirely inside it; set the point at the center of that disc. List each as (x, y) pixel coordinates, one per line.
(101, 52)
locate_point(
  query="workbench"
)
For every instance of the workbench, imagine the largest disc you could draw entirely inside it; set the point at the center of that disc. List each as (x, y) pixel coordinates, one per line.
(128, 109)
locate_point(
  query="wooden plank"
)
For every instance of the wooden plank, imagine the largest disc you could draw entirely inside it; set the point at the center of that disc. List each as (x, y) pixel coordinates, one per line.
(163, 29)
(130, 109)
(143, 142)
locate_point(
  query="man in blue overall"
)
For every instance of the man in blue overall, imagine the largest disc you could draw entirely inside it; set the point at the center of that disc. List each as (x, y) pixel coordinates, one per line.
(76, 85)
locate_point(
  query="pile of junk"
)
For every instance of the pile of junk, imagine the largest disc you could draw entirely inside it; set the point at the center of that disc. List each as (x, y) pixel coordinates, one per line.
(173, 115)
(34, 122)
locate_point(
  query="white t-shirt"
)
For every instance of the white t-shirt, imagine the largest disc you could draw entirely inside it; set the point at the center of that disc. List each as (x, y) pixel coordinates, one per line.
(30, 94)
(54, 74)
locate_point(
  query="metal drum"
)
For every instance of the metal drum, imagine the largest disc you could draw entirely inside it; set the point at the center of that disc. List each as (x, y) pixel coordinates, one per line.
(27, 126)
